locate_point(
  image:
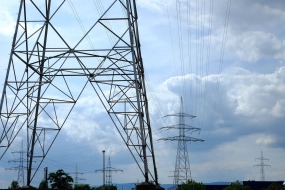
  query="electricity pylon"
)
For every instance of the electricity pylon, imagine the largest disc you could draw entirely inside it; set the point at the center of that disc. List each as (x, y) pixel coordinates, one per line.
(51, 65)
(76, 179)
(262, 165)
(110, 170)
(107, 171)
(182, 171)
(20, 167)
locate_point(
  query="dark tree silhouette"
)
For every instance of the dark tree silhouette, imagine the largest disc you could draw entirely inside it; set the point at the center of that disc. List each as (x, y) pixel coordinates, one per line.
(60, 180)
(191, 184)
(14, 185)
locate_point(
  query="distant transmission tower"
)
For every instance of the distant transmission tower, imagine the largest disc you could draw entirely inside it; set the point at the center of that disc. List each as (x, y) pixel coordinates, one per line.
(50, 67)
(182, 172)
(262, 165)
(76, 179)
(109, 171)
(20, 167)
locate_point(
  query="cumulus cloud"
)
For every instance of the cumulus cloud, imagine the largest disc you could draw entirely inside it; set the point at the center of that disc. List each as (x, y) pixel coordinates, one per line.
(256, 95)
(256, 45)
(245, 102)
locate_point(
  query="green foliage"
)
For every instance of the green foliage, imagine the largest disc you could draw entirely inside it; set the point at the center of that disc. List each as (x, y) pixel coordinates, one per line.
(237, 186)
(82, 187)
(275, 186)
(60, 180)
(190, 185)
(43, 185)
(14, 185)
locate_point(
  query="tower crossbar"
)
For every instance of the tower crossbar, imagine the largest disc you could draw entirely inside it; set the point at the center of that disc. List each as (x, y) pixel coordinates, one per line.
(262, 165)
(182, 171)
(50, 67)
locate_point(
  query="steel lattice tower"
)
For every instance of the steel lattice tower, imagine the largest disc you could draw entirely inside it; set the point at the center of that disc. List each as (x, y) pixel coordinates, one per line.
(262, 165)
(182, 172)
(20, 167)
(109, 170)
(50, 67)
(76, 179)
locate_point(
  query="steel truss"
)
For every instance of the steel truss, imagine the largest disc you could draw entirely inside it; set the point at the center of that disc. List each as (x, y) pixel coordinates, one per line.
(47, 73)
(182, 171)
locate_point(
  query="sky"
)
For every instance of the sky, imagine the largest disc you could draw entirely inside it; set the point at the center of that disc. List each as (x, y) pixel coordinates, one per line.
(226, 59)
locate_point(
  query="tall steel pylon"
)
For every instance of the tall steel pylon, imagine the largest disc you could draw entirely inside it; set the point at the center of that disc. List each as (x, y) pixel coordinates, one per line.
(182, 171)
(262, 165)
(76, 179)
(20, 167)
(109, 170)
(51, 64)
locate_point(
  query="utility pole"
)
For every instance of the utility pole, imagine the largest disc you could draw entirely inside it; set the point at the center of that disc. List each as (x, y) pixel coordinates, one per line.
(182, 171)
(46, 177)
(48, 71)
(262, 165)
(103, 168)
(107, 171)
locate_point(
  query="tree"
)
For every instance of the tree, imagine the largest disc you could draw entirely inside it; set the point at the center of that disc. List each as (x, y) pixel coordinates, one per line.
(14, 185)
(275, 186)
(60, 180)
(237, 186)
(191, 184)
(43, 185)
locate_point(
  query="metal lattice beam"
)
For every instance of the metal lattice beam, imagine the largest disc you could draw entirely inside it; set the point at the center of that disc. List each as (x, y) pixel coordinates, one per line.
(182, 172)
(47, 74)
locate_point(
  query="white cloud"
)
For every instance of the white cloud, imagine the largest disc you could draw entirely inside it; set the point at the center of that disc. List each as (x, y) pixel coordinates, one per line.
(256, 95)
(7, 22)
(246, 103)
(248, 94)
(279, 109)
(265, 140)
(153, 5)
(235, 160)
(253, 46)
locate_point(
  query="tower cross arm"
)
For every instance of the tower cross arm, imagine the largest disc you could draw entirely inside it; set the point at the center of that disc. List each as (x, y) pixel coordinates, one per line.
(183, 127)
(113, 169)
(180, 115)
(182, 138)
(258, 165)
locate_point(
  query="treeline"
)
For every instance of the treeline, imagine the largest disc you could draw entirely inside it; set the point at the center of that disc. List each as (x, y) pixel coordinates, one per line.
(60, 180)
